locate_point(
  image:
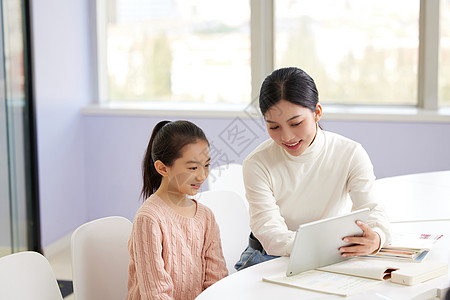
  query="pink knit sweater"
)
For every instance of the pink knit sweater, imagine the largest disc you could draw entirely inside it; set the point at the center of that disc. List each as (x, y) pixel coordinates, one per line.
(172, 256)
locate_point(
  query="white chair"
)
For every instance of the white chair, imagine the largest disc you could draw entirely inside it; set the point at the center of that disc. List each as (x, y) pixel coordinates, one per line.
(27, 275)
(228, 178)
(100, 259)
(232, 217)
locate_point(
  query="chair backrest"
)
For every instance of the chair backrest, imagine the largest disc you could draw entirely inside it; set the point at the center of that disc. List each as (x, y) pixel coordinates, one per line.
(228, 178)
(27, 275)
(100, 259)
(232, 217)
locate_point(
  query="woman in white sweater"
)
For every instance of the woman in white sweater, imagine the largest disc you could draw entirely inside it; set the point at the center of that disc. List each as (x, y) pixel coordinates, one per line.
(303, 173)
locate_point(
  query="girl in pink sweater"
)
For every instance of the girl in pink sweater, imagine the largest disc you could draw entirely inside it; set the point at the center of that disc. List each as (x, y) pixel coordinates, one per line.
(175, 244)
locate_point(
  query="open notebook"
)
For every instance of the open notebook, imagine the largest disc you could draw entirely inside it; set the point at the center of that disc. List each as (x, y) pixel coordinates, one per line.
(357, 274)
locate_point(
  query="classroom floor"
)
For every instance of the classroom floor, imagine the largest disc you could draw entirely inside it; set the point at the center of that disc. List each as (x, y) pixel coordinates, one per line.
(62, 267)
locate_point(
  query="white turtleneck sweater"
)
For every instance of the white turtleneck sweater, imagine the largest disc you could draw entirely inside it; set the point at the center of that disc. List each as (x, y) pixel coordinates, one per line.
(285, 191)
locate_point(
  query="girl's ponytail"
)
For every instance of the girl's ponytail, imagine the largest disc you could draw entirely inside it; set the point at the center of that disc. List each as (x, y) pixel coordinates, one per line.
(151, 178)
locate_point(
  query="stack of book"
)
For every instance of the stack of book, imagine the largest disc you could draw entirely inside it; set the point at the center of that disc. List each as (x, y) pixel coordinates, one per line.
(412, 247)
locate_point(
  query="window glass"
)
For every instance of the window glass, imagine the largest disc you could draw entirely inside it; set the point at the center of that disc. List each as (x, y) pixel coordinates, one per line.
(358, 52)
(178, 50)
(444, 66)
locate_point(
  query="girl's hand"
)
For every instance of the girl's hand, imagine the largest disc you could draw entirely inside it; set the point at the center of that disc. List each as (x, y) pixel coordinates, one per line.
(366, 244)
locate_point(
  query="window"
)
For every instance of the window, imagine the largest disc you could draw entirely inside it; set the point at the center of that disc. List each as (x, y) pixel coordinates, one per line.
(356, 51)
(444, 66)
(182, 50)
(201, 51)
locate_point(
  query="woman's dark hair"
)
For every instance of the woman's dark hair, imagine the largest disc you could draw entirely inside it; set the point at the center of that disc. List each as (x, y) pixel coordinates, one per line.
(166, 144)
(290, 84)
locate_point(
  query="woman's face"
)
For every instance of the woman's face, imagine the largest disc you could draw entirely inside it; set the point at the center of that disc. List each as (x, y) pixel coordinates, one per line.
(292, 126)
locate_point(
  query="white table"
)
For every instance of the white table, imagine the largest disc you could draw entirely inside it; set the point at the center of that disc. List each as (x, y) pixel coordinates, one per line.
(248, 284)
(415, 197)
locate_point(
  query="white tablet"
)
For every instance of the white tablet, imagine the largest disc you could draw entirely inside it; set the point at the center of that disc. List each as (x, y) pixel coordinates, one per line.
(317, 243)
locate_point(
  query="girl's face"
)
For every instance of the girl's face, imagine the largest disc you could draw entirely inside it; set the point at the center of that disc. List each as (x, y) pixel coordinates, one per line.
(188, 172)
(292, 126)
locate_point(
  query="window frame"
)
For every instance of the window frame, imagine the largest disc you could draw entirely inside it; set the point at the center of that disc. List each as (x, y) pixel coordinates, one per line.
(262, 63)
(428, 72)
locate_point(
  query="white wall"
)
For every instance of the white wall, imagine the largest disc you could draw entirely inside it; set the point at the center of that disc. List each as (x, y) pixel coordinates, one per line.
(62, 87)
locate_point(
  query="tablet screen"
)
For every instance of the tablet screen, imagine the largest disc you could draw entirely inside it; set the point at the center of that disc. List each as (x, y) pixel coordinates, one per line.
(317, 243)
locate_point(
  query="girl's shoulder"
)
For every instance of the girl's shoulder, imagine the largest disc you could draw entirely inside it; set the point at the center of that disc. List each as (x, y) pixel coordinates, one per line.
(205, 213)
(203, 209)
(152, 208)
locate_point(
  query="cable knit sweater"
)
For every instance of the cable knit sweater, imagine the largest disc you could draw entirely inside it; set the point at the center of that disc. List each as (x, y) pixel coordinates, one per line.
(172, 256)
